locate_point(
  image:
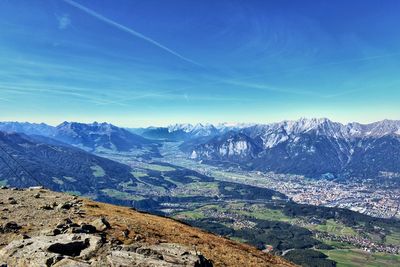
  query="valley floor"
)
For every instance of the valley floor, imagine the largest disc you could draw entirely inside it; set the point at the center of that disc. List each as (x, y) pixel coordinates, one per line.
(374, 199)
(356, 257)
(215, 205)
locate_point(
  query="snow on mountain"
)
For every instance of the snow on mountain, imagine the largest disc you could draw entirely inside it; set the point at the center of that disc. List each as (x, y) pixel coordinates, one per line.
(206, 129)
(275, 133)
(98, 135)
(27, 128)
(376, 129)
(315, 147)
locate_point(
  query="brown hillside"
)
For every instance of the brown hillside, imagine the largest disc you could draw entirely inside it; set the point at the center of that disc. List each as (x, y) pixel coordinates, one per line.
(39, 212)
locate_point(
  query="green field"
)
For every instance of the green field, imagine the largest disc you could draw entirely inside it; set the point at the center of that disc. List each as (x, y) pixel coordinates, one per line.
(138, 174)
(192, 215)
(393, 238)
(334, 228)
(359, 258)
(156, 167)
(121, 195)
(262, 213)
(98, 171)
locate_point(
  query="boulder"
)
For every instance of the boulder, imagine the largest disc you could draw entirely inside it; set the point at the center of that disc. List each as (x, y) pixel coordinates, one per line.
(166, 255)
(88, 228)
(11, 227)
(47, 250)
(101, 224)
(70, 263)
(72, 248)
(65, 206)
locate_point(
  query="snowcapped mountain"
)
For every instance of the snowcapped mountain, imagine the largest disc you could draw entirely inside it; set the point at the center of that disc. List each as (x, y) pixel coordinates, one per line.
(376, 129)
(274, 133)
(195, 130)
(98, 136)
(313, 147)
(27, 128)
(231, 144)
(90, 137)
(187, 131)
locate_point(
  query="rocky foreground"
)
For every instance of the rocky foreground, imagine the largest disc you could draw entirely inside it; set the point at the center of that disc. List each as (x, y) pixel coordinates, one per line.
(44, 228)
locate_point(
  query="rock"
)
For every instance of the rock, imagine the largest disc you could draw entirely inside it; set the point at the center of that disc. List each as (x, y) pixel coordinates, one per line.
(71, 263)
(80, 212)
(115, 242)
(46, 207)
(13, 202)
(65, 206)
(125, 233)
(149, 253)
(11, 227)
(89, 229)
(25, 236)
(35, 188)
(101, 224)
(52, 260)
(57, 231)
(203, 262)
(166, 254)
(68, 221)
(61, 226)
(72, 249)
(41, 250)
(37, 195)
(138, 237)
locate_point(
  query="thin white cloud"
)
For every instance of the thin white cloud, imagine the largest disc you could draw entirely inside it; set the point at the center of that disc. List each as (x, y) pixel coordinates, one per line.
(128, 30)
(64, 21)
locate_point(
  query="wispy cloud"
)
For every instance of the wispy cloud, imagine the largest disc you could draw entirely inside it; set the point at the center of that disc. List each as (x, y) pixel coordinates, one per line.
(128, 30)
(63, 21)
(4, 99)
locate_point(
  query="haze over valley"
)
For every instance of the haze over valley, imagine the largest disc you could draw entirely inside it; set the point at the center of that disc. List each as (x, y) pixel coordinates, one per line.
(227, 178)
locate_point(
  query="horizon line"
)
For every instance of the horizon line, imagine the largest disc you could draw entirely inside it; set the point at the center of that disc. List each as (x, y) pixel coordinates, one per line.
(193, 123)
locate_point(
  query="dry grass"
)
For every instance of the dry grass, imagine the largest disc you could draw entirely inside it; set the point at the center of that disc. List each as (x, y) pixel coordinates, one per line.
(154, 229)
(150, 228)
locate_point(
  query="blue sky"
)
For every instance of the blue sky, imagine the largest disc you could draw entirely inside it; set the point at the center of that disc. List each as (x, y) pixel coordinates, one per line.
(139, 63)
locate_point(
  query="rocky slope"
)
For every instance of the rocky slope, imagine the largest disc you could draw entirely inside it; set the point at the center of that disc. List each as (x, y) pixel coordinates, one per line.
(44, 228)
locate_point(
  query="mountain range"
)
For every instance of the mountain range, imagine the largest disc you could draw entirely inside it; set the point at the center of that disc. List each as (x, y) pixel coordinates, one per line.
(91, 137)
(311, 147)
(187, 131)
